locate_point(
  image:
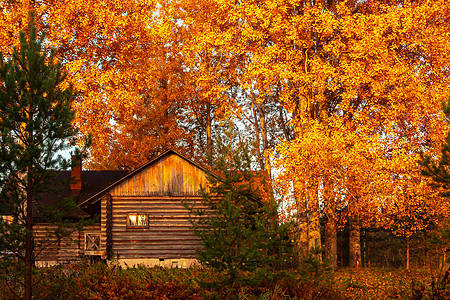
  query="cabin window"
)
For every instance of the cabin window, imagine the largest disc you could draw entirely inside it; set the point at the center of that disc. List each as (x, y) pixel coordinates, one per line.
(137, 221)
(92, 241)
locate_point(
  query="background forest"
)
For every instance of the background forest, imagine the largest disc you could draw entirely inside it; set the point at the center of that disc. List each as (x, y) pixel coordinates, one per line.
(338, 100)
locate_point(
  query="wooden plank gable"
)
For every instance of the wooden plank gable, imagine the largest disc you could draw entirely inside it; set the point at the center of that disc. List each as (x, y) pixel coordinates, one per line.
(169, 175)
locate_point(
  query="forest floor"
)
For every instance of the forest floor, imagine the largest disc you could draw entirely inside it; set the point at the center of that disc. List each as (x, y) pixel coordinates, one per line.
(100, 281)
(385, 283)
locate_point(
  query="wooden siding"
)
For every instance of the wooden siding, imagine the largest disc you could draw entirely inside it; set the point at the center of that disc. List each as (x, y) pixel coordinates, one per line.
(168, 235)
(168, 176)
(46, 244)
(66, 250)
(103, 224)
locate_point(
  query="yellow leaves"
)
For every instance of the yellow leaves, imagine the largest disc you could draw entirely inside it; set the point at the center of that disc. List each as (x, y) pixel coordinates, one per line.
(363, 84)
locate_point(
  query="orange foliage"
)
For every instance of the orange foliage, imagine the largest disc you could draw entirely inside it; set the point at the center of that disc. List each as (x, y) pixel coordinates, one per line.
(124, 60)
(362, 80)
(390, 81)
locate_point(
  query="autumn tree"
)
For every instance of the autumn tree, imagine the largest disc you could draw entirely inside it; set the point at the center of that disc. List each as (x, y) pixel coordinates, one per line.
(130, 84)
(35, 122)
(370, 80)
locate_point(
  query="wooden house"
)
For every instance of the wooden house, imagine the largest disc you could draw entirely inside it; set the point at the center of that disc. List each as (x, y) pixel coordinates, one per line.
(142, 216)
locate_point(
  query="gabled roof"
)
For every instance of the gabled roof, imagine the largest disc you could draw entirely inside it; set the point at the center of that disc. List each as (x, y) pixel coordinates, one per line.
(96, 197)
(92, 183)
(95, 184)
(58, 189)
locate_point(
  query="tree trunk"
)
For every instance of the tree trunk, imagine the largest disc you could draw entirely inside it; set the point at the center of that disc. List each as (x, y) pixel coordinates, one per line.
(308, 219)
(263, 125)
(208, 131)
(331, 241)
(258, 140)
(303, 229)
(407, 252)
(354, 243)
(331, 224)
(29, 241)
(425, 262)
(314, 239)
(29, 217)
(284, 127)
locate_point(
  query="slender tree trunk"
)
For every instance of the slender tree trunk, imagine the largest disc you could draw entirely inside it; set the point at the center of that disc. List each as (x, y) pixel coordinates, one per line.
(303, 229)
(208, 131)
(438, 265)
(29, 219)
(308, 232)
(407, 252)
(257, 136)
(314, 236)
(331, 224)
(354, 243)
(300, 189)
(265, 141)
(282, 123)
(445, 264)
(29, 240)
(331, 241)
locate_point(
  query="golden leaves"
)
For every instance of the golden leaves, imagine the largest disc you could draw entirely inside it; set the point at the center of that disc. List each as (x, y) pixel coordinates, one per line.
(362, 83)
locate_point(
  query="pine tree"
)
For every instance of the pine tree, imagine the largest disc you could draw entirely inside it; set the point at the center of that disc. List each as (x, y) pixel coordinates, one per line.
(239, 228)
(439, 171)
(35, 124)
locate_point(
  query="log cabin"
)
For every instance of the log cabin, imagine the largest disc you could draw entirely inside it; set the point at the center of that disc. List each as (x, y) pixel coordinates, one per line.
(141, 219)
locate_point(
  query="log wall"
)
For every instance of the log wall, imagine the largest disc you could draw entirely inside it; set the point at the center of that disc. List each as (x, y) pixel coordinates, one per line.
(168, 235)
(66, 250)
(157, 191)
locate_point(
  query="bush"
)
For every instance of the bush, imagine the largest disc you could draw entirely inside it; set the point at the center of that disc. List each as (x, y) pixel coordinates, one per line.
(100, 281)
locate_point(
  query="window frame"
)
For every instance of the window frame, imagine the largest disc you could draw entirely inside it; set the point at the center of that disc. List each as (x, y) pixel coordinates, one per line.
(137, 217)
(95, 239)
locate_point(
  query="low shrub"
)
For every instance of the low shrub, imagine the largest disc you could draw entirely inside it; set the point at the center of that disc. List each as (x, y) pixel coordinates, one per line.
(101, 281)
(312, 280)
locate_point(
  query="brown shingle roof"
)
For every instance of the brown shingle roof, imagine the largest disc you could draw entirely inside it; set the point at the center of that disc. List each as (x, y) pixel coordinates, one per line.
(92, 183)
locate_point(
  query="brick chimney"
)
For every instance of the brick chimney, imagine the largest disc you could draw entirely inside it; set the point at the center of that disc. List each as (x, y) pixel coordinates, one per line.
(75, 181)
